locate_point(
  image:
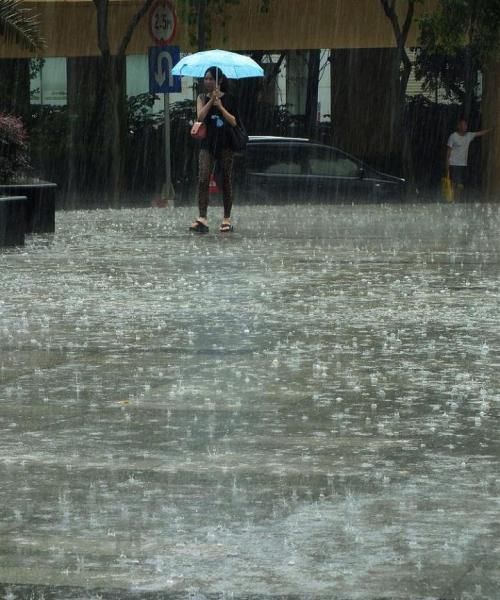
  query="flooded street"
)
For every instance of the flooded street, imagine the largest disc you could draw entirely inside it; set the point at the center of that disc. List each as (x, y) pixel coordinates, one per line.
(308, 407)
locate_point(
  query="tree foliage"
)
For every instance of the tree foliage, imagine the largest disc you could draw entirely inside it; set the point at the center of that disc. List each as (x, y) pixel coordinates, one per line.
(444, 73)
(19, 25)
(456, 42)
(457, 24)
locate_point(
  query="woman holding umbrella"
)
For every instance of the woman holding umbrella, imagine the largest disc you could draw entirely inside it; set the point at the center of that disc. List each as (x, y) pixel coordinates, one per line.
(218, 110)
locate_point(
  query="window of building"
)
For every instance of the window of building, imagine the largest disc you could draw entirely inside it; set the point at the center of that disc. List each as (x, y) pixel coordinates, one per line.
(48, 85)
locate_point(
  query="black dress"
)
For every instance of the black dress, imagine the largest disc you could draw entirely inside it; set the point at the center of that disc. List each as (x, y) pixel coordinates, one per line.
(218, 137)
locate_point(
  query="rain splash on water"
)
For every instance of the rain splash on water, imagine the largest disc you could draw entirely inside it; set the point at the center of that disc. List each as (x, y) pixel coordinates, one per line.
(307, 407)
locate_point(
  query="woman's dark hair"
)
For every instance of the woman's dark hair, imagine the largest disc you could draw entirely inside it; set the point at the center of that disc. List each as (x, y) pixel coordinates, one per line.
(219, 76)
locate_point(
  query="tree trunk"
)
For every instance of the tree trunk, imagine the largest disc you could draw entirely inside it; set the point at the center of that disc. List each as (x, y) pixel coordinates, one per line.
(401, 30)
(470, 70)
(108, 127)
(15, 86)
(403, 126)
(469, 84)
(82, 76)
(97, 138)
(98, 112)
(201, 25)
(312, 92)
(365, 94)
(248, 91)
(491, 118)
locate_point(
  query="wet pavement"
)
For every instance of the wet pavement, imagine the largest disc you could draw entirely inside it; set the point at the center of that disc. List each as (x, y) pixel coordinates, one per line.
(306, 408)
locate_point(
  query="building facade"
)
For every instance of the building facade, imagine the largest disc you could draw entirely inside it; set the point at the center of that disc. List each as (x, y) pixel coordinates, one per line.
(70, 29)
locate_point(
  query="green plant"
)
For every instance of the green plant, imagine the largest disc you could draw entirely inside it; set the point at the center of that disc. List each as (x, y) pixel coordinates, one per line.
(19, 25)
(457, 40)
(14, 159)
(140, 112)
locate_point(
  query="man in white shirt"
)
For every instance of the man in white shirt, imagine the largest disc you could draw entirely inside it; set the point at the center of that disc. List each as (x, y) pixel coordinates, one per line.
(458, 153)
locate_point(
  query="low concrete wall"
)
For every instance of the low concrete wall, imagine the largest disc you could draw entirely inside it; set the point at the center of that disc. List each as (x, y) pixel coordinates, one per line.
(12, 220)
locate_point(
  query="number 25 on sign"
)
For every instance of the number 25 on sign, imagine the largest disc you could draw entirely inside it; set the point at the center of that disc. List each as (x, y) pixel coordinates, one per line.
(162, 22)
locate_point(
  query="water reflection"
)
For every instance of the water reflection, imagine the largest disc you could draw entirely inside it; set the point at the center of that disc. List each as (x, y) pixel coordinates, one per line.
(307, 407)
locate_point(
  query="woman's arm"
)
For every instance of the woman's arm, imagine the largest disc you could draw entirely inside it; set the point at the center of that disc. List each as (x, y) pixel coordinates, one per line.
(203, 108)
(231, 119)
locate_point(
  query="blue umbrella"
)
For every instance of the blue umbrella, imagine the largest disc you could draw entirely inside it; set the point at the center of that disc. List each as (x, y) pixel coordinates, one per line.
(233, 65)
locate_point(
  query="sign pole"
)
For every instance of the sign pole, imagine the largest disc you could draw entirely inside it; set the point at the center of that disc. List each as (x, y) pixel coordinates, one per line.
(163, 26)
(168, 189)
(166, 105)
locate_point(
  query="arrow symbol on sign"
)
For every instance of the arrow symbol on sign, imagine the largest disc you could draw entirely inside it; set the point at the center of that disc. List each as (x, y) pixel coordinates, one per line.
(160, 74)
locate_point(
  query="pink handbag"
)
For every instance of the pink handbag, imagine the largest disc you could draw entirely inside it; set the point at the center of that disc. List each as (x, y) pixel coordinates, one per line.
(199, 130)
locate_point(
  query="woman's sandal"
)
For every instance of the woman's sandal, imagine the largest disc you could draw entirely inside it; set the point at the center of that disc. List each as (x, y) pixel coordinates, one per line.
(199, 227)
(225, 227)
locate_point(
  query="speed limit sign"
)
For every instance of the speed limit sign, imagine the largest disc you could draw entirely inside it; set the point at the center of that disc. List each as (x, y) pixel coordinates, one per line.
(162, 22)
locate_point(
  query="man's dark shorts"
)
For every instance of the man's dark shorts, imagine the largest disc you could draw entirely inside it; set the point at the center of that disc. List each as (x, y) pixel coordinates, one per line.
(458, 175)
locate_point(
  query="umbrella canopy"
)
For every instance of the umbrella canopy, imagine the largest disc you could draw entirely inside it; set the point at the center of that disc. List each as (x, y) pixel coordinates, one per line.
(233, 65)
